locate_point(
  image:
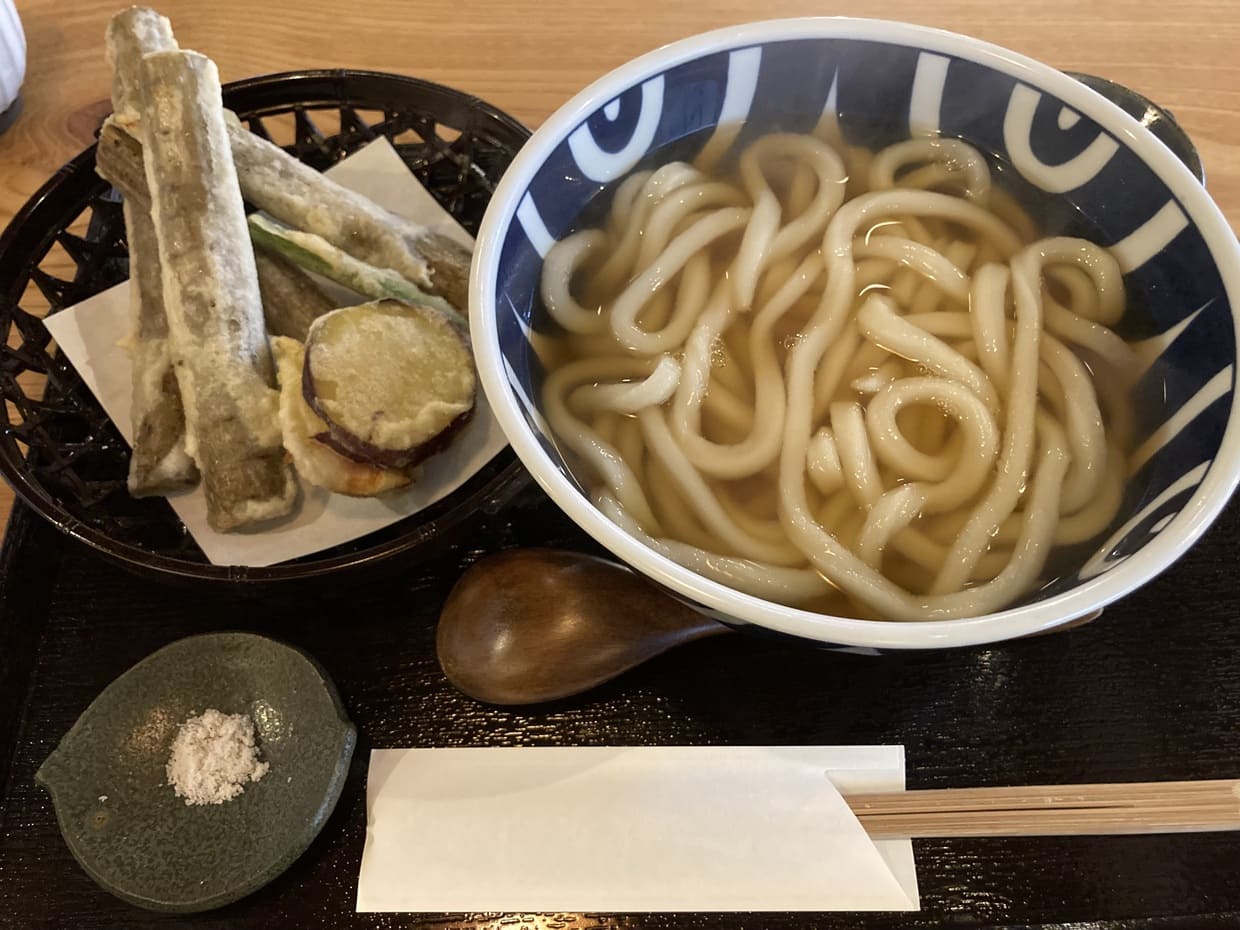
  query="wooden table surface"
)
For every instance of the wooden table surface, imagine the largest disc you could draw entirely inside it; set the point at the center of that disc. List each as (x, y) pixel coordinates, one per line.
(528, 56)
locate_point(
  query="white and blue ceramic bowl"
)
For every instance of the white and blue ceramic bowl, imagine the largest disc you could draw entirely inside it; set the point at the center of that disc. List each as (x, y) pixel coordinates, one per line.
(1067, 145)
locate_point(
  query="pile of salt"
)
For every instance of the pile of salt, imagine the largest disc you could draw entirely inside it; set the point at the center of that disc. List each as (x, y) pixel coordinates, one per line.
(213, 757)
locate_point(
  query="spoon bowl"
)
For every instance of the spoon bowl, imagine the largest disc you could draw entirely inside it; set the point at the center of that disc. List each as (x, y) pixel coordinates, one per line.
(532, 625)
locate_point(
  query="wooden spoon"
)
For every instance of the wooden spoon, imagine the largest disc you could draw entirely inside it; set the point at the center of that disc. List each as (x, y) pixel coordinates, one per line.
(531, 625)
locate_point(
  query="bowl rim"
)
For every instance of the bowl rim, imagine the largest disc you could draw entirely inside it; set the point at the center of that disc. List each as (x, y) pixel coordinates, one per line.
(1174, 540)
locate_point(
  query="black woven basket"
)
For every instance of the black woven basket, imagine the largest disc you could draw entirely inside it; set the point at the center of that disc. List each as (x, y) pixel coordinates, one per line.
(61, 452)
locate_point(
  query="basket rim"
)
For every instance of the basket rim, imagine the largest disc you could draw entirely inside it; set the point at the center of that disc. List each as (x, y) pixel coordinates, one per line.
(324, 87)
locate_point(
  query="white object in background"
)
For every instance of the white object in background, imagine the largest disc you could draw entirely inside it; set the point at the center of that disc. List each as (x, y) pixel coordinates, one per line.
(643, 828)
(12, 56)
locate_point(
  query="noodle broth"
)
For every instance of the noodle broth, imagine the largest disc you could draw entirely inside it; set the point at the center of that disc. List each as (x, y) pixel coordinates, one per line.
(863, 383)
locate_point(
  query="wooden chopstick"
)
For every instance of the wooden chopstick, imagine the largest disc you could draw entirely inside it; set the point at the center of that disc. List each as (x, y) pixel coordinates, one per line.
(1052, 810)
(1043, 796)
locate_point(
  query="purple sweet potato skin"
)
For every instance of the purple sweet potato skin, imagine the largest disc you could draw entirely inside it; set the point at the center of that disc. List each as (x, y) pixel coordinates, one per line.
(359, 450)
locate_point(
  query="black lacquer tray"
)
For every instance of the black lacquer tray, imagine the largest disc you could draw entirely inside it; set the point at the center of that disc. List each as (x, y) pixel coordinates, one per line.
(59, 449)
(1151, 690)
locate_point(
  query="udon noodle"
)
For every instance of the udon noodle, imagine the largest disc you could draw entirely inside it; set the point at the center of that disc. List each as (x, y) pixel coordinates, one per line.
(848, 381)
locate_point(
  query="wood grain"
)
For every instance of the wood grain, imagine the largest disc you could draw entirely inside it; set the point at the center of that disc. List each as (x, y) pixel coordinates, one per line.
(529, 56)
(1053, 810)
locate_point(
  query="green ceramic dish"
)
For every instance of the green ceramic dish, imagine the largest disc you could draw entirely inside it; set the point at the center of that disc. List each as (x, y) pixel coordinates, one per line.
(123, 822)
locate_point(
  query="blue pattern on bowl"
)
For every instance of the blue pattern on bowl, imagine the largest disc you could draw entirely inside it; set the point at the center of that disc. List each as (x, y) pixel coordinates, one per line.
(1086, 178)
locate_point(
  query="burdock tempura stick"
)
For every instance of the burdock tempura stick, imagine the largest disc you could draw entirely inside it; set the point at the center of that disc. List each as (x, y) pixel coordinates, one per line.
(291, 300)
(159, 462)
(215, 315)
(298, 196)
(303, 199)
